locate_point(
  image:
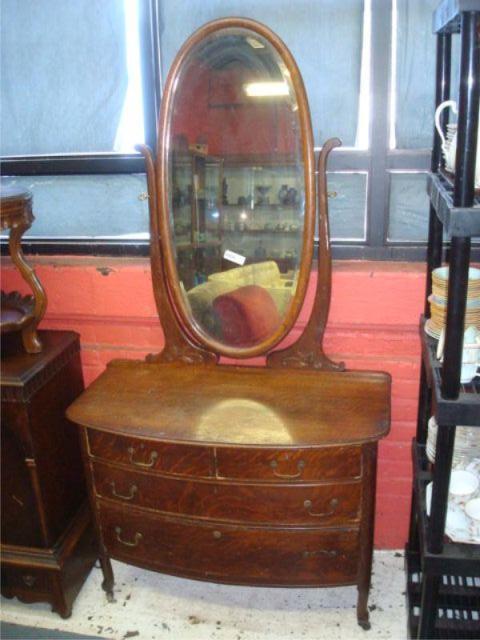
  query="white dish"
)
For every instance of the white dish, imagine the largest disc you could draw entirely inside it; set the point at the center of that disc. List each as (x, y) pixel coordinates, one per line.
(442, 273)
(458, 526)
(433, 333)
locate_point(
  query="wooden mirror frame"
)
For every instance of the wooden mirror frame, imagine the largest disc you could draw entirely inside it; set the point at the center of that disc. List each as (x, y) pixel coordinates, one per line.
(185, 340)
(196, 332)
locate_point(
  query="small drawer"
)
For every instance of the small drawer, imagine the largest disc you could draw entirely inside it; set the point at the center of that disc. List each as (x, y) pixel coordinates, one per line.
(150, 455)
(289, 465)
(311, 505)
(23, 580)
(238, 555)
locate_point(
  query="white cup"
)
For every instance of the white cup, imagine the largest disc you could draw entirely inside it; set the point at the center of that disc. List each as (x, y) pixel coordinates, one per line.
(470, 354)
(463, 485)
(472, 509)
(449, 146)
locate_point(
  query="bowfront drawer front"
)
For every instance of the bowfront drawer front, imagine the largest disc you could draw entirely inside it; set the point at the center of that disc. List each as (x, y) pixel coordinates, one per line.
(263, 504)
(289, 465)
(150, 455)
(238, 555)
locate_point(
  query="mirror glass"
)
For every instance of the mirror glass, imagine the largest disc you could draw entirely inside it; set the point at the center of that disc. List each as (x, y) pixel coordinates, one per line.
(236, 186)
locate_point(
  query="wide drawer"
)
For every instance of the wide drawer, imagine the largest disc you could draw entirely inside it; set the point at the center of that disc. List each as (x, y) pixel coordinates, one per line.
(280, 504)
(184, 460)
(239, 555)
(287, 465)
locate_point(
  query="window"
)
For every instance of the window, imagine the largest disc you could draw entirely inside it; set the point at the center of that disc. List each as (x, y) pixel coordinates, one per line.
(368, 67)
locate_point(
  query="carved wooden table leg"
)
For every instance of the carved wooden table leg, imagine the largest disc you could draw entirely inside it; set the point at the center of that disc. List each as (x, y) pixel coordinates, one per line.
(21, 313)
(30, 338)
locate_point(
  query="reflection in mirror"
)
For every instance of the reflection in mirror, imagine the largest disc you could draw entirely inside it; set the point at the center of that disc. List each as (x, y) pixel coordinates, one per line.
(236, 186)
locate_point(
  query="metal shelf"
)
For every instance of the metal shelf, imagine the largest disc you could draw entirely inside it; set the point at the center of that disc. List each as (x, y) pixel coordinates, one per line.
(456, 558)
(457, 221)
(458, 603)
(457, 567)
(446, 18)
(463, 411)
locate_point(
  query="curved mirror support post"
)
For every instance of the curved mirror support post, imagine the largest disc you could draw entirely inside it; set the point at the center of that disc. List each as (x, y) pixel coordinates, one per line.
(177, 346)
(307, 351)
(236, 190)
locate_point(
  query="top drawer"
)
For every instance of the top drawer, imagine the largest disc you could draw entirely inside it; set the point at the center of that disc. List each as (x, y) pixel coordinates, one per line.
(175, 459)
(289, 465)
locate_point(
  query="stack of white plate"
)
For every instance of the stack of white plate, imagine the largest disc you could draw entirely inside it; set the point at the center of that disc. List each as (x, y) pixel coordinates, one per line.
(439, 297)
(467, 444)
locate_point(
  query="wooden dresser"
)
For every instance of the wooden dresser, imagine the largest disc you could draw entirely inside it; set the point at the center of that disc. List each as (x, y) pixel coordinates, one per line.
(238, 474)
(47, 540)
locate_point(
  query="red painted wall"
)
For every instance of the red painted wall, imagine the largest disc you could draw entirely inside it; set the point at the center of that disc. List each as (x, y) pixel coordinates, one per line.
(373, 325)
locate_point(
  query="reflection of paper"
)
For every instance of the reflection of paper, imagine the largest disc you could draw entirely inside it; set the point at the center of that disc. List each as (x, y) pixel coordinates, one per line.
(234, 257)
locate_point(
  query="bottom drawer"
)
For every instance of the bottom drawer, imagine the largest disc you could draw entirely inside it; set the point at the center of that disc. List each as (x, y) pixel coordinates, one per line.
(26, 583)
(240, 555)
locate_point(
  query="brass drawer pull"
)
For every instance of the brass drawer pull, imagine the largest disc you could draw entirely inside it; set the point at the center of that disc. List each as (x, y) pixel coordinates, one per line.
(320, 552)
(138, 537)
(130, 496)
(333, 504)
(300, 467)
(29, 580)
(153, 457)
(217, 535)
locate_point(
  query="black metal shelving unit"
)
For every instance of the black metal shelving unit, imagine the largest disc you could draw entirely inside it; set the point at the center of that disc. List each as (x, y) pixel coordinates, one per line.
(443, 578)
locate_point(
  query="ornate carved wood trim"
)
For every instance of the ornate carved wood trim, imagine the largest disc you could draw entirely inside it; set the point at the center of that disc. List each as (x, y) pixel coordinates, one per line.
(16, 215)
(307, 351)
(23, 390)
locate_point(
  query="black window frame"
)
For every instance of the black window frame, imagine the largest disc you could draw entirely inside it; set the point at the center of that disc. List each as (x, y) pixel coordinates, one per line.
(377, 161)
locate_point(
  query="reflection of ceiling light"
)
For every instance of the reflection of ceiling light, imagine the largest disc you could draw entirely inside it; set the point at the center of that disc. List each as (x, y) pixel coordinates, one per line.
(255, 44)
(263, 89)
(243, 215)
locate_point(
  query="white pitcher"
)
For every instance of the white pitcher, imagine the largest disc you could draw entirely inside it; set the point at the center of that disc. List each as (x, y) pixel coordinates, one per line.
(449, 144)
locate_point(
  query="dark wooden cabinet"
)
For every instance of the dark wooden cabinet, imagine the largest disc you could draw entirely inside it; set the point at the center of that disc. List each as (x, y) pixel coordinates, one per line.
(47, 541)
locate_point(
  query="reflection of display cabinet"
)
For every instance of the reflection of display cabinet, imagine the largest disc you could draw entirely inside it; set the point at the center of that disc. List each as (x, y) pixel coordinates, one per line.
(197, 193)
(444, 577)
(229, 205)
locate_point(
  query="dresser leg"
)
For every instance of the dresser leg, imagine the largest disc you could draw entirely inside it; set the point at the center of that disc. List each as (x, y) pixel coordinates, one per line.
(108, 579)
(362, 606)
(369, 453)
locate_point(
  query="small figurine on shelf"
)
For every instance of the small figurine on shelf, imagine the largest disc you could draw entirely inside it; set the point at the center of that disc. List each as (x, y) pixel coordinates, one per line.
(291, 198)
(262, 198)
(224, 191)
(283, 194)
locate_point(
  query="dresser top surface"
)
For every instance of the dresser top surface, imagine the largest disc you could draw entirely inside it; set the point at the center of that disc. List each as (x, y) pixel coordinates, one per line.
(222, 405)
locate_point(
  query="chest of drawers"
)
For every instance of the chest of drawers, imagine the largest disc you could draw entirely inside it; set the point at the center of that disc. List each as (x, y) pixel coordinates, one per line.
(48, 544)
(235, 475)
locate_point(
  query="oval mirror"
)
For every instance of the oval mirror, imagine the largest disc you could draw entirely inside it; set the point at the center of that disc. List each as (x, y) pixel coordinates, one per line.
(237, 184)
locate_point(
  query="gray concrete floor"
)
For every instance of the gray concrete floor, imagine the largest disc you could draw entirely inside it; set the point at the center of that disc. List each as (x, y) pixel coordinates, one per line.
(151, 606)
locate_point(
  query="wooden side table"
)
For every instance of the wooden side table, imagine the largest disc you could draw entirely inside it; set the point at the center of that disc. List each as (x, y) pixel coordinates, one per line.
(47, 543)
(21, 313)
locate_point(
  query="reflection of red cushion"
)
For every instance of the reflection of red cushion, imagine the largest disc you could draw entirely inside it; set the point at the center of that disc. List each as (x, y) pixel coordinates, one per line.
(247, 315)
